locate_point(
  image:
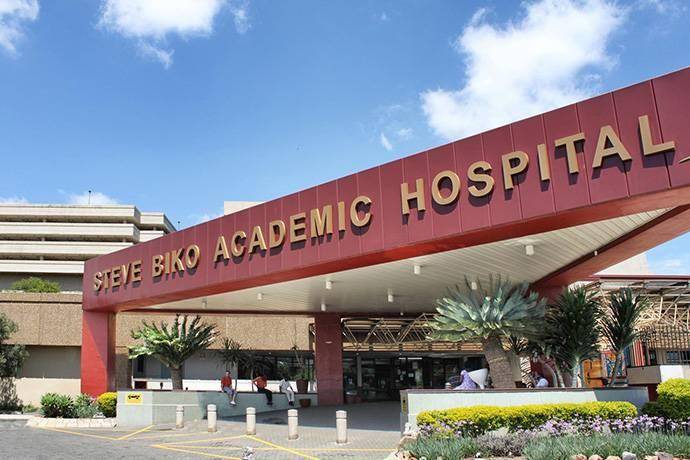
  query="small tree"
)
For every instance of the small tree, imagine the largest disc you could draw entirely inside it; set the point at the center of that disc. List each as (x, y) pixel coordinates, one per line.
(231, 355)
(35, 284)
(173, 345)
(492, 314)
(572, 329)
(619, 324)
(12, 357)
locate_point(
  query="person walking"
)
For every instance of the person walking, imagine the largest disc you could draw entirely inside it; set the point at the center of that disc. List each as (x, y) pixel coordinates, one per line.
(226, 387)
(260, 382)
(286, 387)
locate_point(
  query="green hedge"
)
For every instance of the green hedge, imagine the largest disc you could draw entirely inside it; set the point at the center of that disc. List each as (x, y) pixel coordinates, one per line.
(489, 418)
(674, 399)
(57, 405)
(107, 403)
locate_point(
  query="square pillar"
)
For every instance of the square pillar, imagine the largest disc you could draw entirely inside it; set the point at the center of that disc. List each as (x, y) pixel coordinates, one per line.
(97, 352)
(329, 358)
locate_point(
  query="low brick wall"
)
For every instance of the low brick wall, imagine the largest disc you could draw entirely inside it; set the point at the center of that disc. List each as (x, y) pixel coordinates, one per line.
(150, 407)
(412, 402)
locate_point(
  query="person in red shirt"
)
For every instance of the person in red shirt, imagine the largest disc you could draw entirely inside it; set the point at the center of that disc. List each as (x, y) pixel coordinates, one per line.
(226, 386)
(260, 382)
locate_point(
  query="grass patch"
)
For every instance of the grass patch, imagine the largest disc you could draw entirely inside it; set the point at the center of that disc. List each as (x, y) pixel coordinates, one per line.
(455, 448)
(641, 444)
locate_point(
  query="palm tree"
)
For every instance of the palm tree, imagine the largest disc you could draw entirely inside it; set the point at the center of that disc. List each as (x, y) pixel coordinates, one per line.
(619, 324)
(572, 329)
(231, 355)
(173, 345)
(489, 314)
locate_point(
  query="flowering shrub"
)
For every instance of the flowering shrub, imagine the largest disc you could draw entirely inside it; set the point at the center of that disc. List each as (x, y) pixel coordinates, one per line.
(476, 420)
(640, 424)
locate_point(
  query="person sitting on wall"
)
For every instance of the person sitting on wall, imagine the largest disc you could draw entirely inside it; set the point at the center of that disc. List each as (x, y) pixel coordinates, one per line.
(467, 382)
(226, 386)
(286, 387)
(540, 381)
(260, 382)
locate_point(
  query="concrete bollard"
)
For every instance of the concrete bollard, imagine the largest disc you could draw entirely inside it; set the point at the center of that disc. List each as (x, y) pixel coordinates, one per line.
(447, 386)
(292, 424)
(179, 416)
(341, 427)
(212, 416)
(251, 421)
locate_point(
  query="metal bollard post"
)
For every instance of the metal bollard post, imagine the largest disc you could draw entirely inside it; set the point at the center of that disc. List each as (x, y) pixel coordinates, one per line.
(341, 427)
(292, 424)
(179, 416)
(212, 418)
(251, 421)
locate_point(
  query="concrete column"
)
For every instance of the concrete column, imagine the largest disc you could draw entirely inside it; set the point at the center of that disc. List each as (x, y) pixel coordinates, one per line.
(329, 358)
(97, 352)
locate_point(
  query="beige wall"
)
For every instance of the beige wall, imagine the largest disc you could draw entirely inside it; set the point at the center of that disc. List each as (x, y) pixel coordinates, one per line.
(49, 369)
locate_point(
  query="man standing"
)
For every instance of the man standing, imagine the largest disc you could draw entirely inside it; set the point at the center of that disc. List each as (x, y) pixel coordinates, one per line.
(261, 381)
(226, 386)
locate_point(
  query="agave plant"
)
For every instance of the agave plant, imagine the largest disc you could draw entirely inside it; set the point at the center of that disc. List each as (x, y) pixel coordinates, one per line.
(173, 345)
(572, 329)
(619, 324)
(489, 313)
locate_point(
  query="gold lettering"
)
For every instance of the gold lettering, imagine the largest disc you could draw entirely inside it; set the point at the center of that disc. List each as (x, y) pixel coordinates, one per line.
(354, 212)
(157, 266)
(125, 272)
(166, 262)
(191, 258)
(341, 216)
(570, 150)
(454, 187)
(106, 279)
(648, 146)
(115, 277)
(408, 196)
(606, 133)
(97, 281)
(322, 222)
(544, 167)
(298, 229)
(257, 240)
(480, 176)
(276, 233)
(221, 250)
(136, 270)
(237, 248)
(176, 260)
(509, 170)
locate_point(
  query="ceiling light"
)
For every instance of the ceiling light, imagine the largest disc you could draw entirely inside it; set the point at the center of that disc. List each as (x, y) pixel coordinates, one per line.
(390, 296)
(417, 269)
(259, 296)
(323, 306)
(329, 284)
(401, 313)
(596, 253)
(473, 285)
(204, 304)
(529, 249)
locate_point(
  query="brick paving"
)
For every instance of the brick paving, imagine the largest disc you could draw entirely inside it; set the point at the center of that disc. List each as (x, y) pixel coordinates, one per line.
(373, 433)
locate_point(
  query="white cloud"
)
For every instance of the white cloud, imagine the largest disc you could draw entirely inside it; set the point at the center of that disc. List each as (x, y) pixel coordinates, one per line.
(151, 22)
(14, 14)
(385, 142)
(95, 199)
(240, 15)
(13, 200)
(404, 133)
(546, 59)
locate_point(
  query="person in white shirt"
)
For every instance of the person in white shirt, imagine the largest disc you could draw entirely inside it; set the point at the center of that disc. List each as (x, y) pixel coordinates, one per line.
(285, 387)
(540, 381)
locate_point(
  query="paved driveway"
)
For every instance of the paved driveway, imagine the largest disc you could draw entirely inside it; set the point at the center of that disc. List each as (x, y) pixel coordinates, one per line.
(373, 434)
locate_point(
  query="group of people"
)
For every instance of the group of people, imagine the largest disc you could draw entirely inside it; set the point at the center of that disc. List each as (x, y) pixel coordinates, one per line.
(260, 383)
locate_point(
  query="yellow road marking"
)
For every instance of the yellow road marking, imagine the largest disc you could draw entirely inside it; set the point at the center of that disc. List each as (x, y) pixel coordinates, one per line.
(286, 449)
(195, 452)
(224, 438)
(153, 436)
(127, 436)
(76, 433)
(220, 447)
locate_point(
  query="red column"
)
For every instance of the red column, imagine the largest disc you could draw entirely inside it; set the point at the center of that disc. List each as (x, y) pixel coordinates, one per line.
(329, 358)
(97, 352)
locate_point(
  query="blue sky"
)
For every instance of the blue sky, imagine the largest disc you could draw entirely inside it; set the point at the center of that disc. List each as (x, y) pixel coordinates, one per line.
(179, 105)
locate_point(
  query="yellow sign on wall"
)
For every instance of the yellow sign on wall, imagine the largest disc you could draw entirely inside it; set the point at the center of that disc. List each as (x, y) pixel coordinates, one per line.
(134, 398)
